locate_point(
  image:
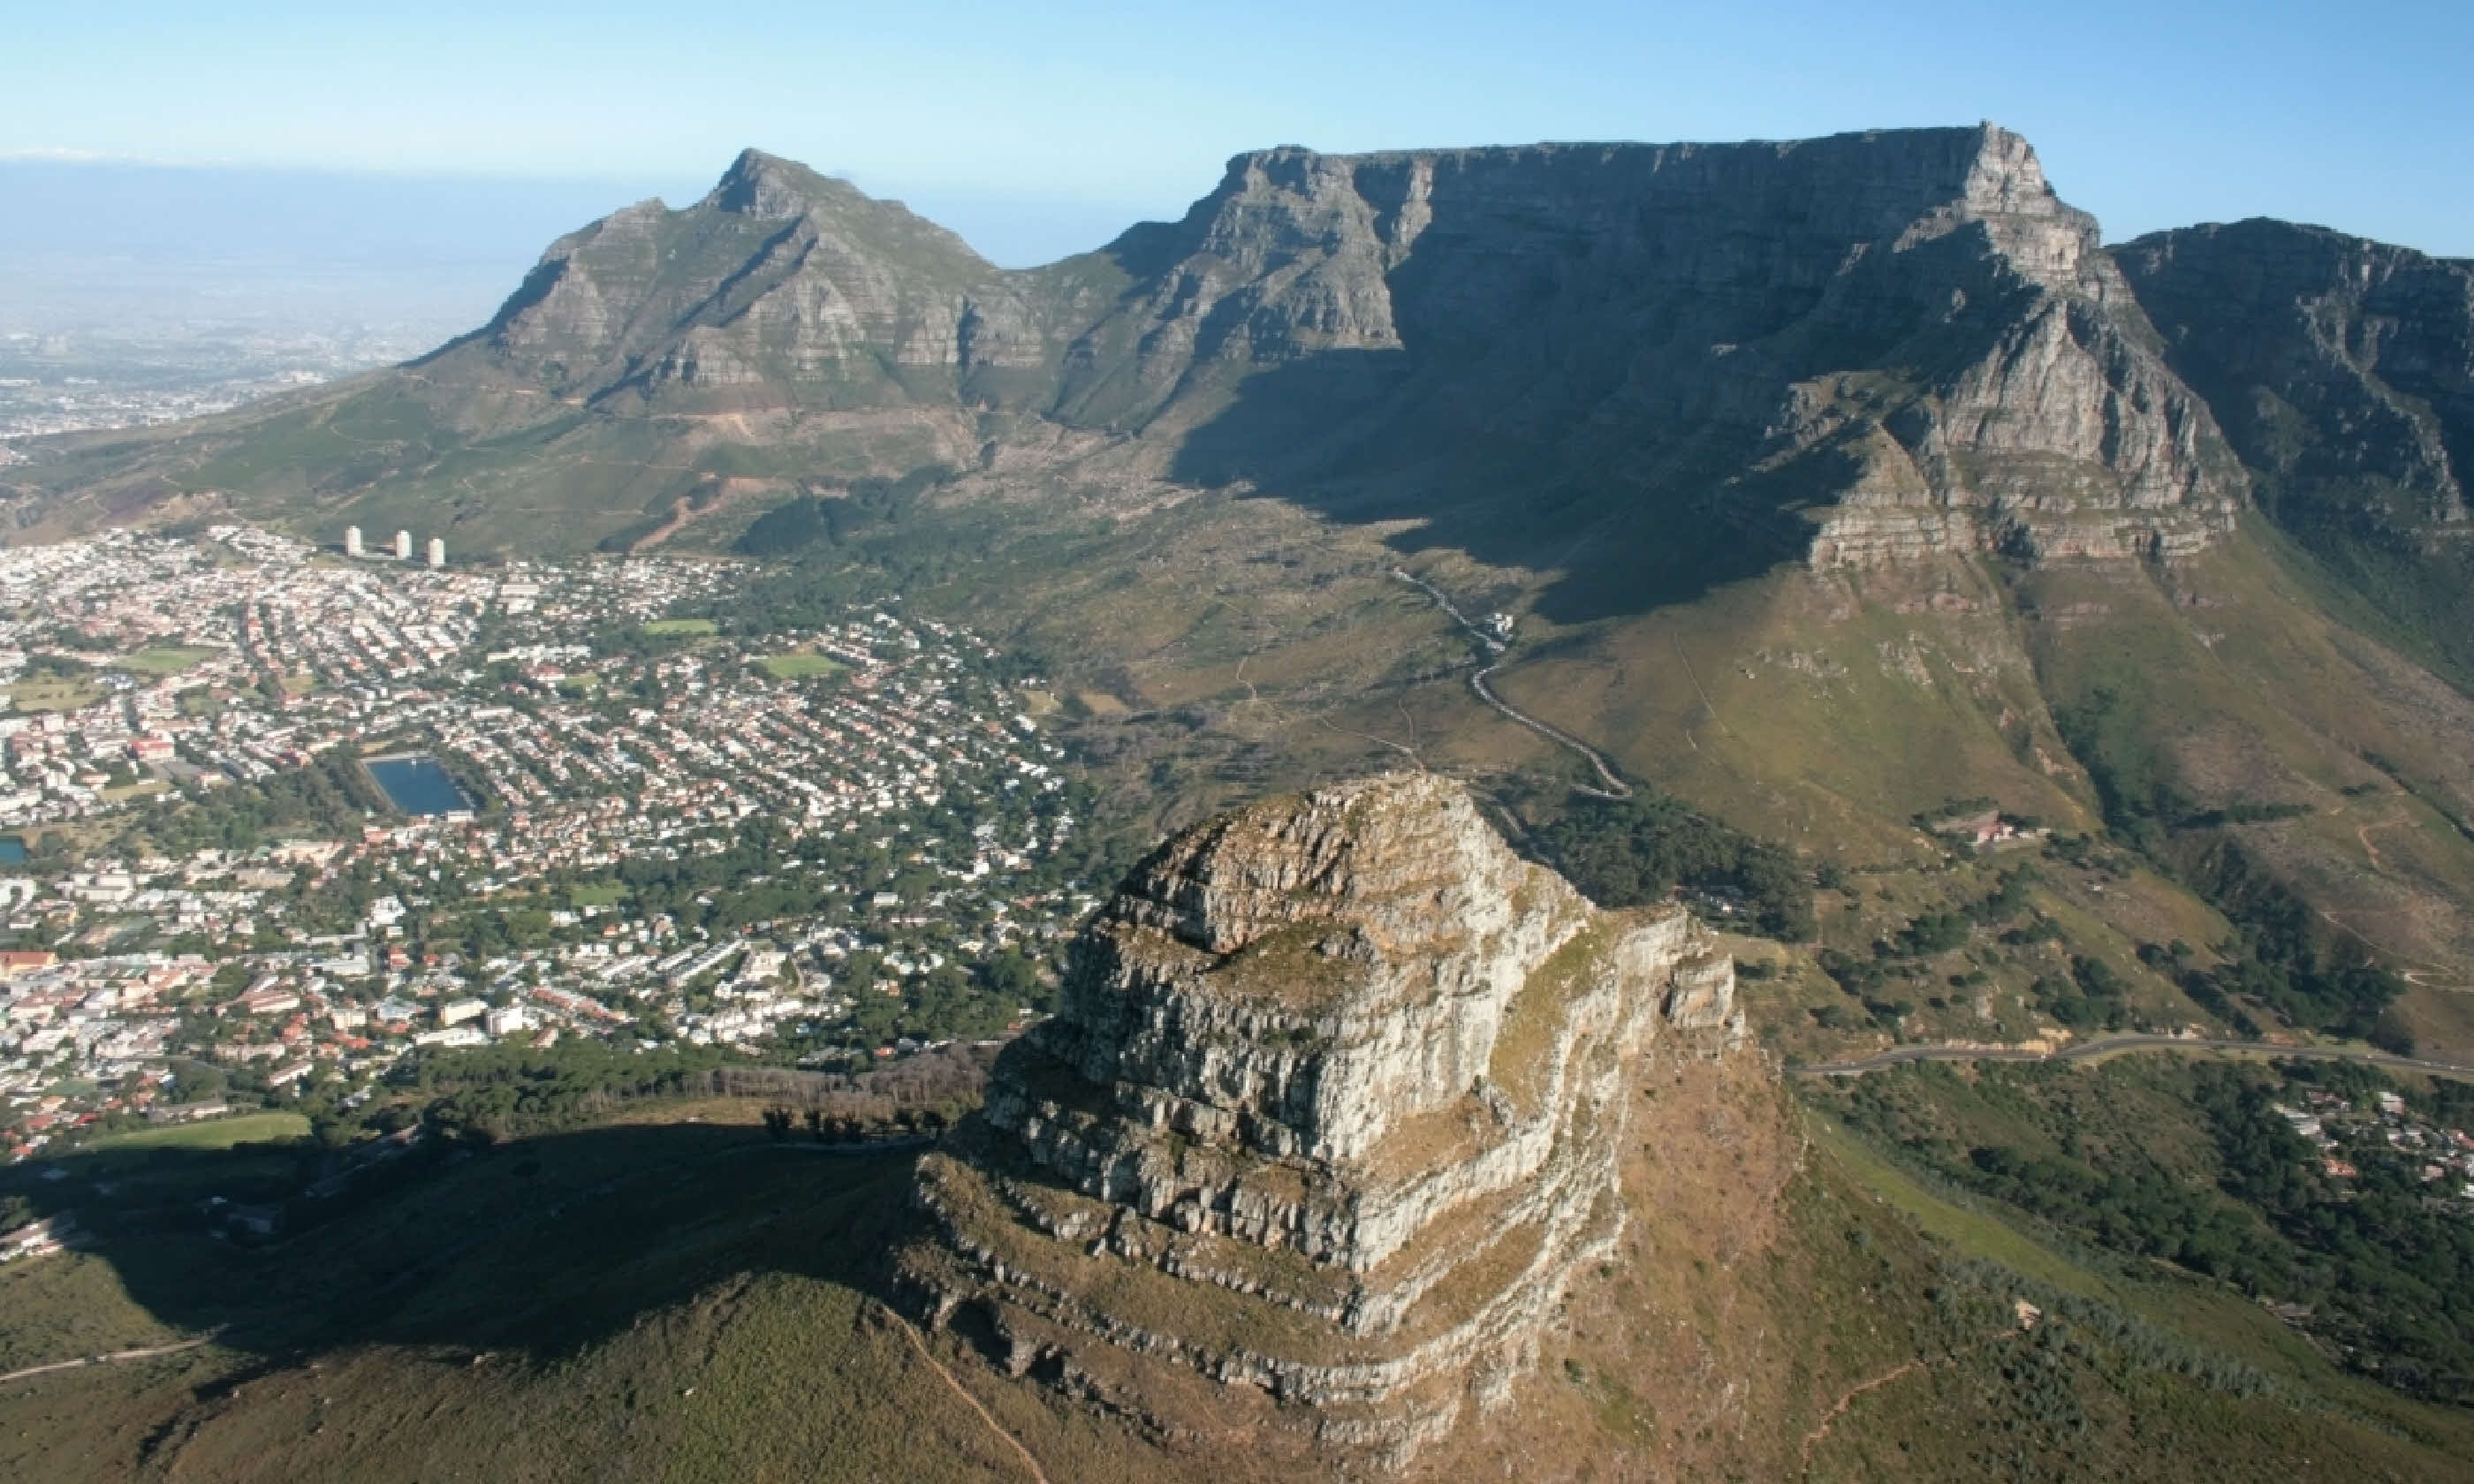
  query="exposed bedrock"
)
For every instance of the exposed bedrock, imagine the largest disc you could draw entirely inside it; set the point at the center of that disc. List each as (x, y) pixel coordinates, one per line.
(1330, 1107)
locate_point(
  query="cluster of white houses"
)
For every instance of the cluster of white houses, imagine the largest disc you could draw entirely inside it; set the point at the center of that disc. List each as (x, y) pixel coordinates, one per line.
(227, 660)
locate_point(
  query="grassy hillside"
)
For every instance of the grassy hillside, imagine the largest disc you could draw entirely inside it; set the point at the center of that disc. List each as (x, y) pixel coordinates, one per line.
(687, 1300)
(2207, 729)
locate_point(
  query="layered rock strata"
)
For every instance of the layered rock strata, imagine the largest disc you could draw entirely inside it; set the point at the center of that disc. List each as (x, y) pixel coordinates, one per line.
(1707, 358)
(1330, 1108)
(781, 290)
(2342, 367)
(1904, 335)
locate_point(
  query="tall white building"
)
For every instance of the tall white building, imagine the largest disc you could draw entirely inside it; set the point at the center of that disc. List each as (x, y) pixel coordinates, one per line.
(351, 540)
(403, 546)
(437, 551)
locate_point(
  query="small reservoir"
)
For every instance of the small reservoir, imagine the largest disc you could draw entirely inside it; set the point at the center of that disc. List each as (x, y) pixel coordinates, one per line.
(414, 783)
(12, 851)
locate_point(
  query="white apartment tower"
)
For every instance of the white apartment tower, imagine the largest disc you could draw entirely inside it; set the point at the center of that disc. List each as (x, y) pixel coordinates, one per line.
(437, 551)
(351, 540)
(403, 546)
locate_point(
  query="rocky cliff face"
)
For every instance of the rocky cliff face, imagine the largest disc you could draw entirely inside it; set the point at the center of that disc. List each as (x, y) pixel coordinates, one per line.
(2343, 371)
(1854, 348)
(2342, 368)
(1906, 334)
(1330, 1108)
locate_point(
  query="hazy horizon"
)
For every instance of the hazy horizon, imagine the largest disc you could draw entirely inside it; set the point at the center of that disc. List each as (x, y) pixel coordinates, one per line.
(1005, 122)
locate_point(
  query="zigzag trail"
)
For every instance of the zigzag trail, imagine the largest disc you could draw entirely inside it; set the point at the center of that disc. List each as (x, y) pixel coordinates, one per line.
(1821, 1429)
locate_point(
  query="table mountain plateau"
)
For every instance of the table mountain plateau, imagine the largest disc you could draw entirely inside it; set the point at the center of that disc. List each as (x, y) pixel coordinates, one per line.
(1850, 348)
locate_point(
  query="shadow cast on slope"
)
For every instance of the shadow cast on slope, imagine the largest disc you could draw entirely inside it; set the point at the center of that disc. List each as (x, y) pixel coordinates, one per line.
(1625, 519)
(545, 1245)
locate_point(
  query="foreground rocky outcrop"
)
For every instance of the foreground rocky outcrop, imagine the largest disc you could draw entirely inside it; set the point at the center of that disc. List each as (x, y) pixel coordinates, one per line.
(1331, 1108)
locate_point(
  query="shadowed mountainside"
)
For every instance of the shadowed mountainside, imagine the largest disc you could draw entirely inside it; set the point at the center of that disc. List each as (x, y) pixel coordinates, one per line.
(2343, 371)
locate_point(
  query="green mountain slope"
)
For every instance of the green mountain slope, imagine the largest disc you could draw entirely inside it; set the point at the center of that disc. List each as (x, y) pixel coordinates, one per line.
(691, 1301)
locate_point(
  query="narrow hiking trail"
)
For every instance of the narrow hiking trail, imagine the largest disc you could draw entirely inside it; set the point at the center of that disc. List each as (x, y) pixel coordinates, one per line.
(1820, 1430)
(911, 1332)
(2189, 1045)
(2362, 833)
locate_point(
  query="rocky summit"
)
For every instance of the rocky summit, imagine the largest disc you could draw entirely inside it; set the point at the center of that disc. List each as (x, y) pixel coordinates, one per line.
(1330, 1110)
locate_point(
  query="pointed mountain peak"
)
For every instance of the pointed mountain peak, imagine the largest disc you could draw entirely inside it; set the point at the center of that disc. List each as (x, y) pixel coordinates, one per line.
(2006, 176)
(767, 185)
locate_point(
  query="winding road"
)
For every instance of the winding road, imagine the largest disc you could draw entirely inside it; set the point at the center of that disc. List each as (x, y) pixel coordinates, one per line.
(1616, 787)
(1900, 1056)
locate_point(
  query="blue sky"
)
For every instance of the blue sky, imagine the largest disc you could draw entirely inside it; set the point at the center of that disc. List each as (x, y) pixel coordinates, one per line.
(1037, 128)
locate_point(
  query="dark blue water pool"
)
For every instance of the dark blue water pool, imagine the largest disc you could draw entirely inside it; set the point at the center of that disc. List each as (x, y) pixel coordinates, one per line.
(418, 785)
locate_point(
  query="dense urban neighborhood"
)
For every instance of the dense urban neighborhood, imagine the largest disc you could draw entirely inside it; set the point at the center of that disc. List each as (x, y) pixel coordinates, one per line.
(285, 821)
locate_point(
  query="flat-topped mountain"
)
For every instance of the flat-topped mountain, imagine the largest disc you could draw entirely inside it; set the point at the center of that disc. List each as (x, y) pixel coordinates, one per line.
(1908, 326)
(1850, 348)
(1331, 1108)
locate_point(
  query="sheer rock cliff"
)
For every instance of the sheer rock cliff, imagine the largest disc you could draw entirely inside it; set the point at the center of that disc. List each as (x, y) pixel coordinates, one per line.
(1903, 337)
(1331, 1107)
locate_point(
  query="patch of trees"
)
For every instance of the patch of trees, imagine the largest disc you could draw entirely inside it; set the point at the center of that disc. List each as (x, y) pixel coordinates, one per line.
(869, 511)
(331, 796)
(842, 1128)
(1868, 982)
(2284, 957)
(1631, 851)
(57, 666)
(2142, 1209)
(2129, 1343)
(2384, 1260)
(1928, 934)
(489, 1093)
(2142, 802)
(2093, 996)
(2391, 1271)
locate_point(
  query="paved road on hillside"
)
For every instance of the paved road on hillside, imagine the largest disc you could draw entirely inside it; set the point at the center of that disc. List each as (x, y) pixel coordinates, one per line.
(2196, 1045)
(1616, 787)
